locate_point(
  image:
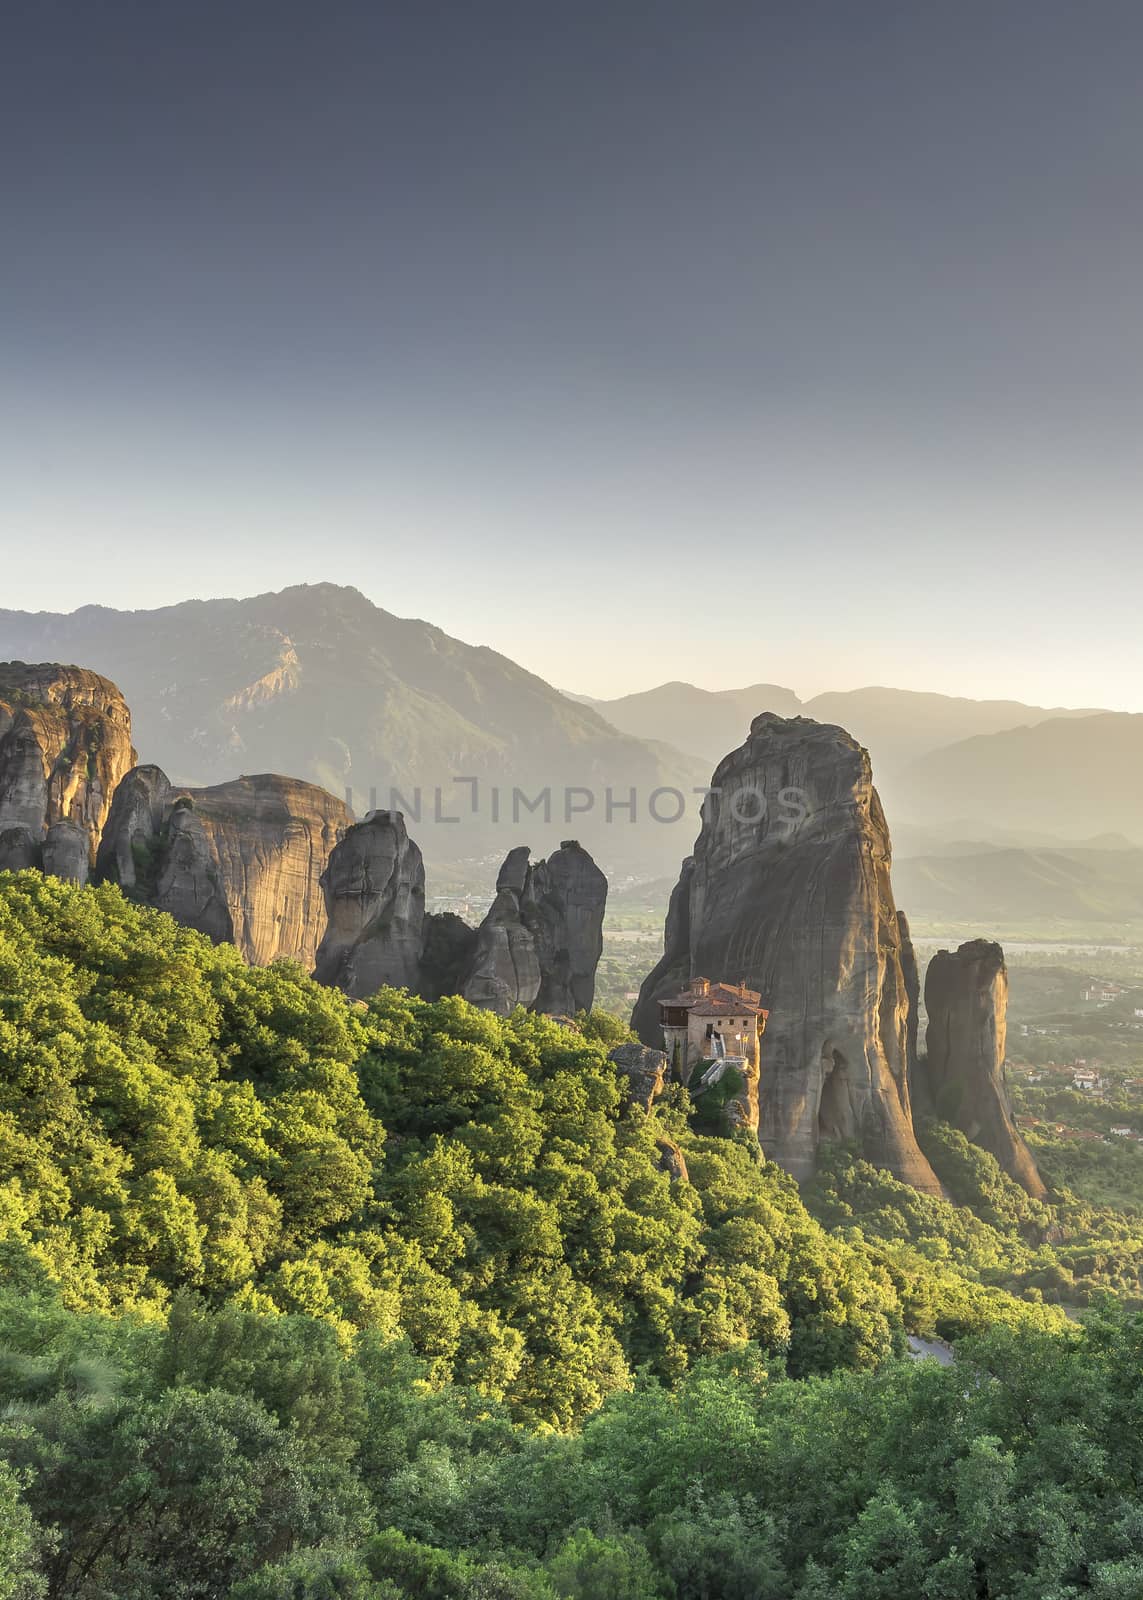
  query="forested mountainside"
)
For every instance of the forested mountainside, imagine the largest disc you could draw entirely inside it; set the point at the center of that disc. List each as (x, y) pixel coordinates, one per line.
(177, 1119)
(348, 1295)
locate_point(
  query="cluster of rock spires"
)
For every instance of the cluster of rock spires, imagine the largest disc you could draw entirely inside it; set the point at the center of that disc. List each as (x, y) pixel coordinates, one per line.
(277, 866)
(542, 939)
(788, 890)
(538, 947)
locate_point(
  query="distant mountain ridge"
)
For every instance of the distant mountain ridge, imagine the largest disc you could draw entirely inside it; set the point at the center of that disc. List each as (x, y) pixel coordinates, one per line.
(1068, 777)
(897, 726)
(997, 773)
(708, 723)
(318, 682)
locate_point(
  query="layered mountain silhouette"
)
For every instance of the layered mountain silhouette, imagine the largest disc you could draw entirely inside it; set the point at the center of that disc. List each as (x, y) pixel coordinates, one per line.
(897, 726)
(1068, 777)
(706, 722)
(319, 682)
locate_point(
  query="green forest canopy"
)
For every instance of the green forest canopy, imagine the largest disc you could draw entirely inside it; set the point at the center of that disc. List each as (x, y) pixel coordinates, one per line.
(340, 1291)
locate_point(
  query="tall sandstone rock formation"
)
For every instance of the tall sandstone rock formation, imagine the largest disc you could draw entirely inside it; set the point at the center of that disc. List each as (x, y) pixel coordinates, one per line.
(570, 896)
(789, 891)
(962, 1076)
(65, 743)
(374, 889)
(239, 861)
(541, 941)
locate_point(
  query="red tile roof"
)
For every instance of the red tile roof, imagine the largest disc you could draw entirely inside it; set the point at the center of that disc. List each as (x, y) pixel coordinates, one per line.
(727, 1008)
(721, 999)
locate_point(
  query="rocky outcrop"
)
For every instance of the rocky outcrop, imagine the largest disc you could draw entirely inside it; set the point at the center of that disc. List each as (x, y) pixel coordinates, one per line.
(538, 946)
(447, 954)
(374, 888)
(188, 875)
(18, 849)
(540, 943)
(239, 861)
(671, 1160)
(65, 743)
(645, 1073)
(962, 1077)
(67, 852)
(645, 1070)
(130, 848)
(789, 891)
(272, 838)
(569, 894)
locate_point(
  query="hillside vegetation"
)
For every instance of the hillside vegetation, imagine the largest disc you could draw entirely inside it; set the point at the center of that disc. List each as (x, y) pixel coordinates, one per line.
(175, 1119)
(228, 1454)
(305, 1298)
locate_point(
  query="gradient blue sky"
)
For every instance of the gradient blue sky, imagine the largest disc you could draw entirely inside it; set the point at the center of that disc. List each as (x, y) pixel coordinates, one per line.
(799, 342)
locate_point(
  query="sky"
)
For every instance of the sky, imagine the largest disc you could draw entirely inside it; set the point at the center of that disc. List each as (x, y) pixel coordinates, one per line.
(794, 342)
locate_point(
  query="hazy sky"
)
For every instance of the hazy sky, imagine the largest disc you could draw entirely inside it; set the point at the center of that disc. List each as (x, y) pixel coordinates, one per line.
(799, 342)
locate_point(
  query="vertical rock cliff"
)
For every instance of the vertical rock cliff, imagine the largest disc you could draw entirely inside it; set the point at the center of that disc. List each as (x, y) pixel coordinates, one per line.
(374, 889)
(65, 743)
(962, 1077)
(66, 851)
(789, 891)
(569, 896)
(239, 861)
